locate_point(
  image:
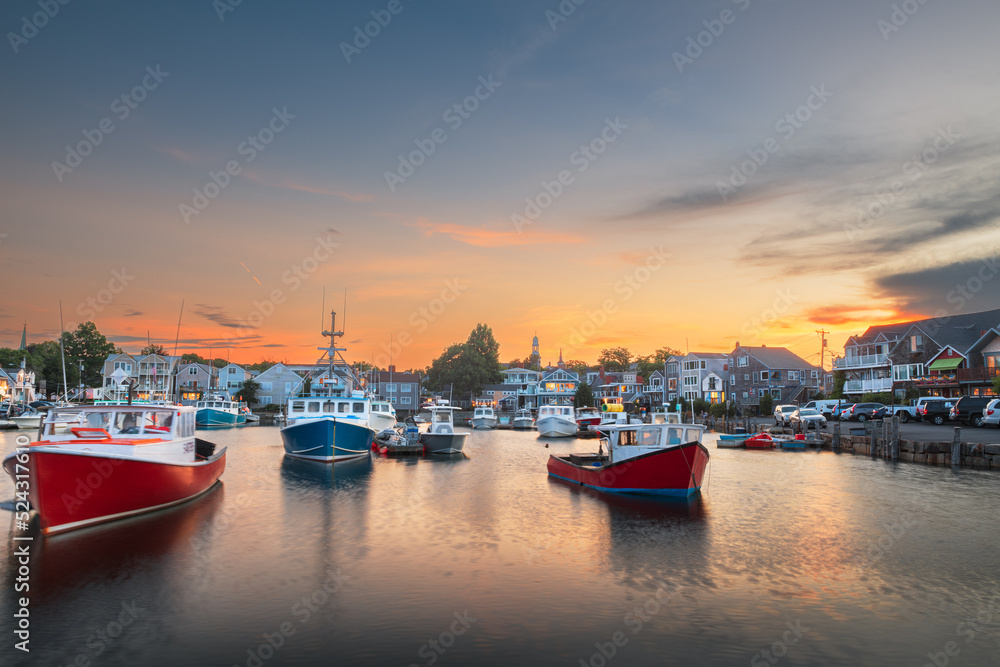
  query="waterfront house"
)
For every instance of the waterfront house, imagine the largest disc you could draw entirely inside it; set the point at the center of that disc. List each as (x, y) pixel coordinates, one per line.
(277, 384)
(149, 375)
(524, 383)
(192, 382)
(231, 378)
(557, 387)
(402, 389)
(756, 371)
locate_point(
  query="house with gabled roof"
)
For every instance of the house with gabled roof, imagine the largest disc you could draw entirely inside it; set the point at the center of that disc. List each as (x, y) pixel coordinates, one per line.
(757, 371)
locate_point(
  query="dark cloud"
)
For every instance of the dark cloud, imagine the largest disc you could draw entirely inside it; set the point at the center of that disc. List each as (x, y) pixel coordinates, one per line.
(133, 313)
(961, 287)
(219, 316)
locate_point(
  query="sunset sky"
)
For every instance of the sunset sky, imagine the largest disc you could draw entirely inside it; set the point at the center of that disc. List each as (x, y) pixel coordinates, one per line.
(642, 174)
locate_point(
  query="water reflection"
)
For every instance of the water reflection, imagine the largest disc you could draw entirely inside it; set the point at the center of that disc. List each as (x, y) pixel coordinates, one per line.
(304, 474)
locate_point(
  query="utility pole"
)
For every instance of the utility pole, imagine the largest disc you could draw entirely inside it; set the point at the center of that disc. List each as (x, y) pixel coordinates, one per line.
(822, 353)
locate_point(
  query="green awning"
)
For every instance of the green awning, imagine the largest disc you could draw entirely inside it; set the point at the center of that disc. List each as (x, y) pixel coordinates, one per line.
(946, 364)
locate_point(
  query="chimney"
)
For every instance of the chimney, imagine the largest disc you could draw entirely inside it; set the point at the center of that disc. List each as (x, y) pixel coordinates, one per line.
(392, 369)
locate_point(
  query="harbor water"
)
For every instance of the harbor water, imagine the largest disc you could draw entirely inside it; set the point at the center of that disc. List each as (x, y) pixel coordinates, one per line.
(790, 558)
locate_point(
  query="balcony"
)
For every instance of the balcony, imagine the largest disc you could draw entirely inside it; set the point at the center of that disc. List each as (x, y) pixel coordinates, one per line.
(861, 361)
(971, 375)
(868, 386)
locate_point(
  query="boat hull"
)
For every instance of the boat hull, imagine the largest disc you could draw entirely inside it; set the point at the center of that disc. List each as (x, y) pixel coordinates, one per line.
(212, 418)
(731, 441)
(326, 439)
(677, 471)
(524, 424)
(761, 441)
(484, 422)
(72, 490)
(555, 427)
(443, 443)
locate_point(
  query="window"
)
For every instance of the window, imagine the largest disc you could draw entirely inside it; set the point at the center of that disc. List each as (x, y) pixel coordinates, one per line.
(907, 372)
(743, 362)
(690, 380)
(193, 370)
(776, 375)
(815, 375)
(265, 386)
(793, 376)
(406, 387)
(264, 400)
(298, 406)
(916, 343)
(313, 406)
(405, 400)
(288, 387)
(342, 407)
(746, 377)
(732, 378)
(391, 388)
(358, 407)
(746, 395)
(648, 437)
(711, 384)
(755, 379)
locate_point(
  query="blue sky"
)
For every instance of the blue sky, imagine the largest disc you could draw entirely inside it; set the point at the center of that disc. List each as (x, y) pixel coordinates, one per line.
(892, 84)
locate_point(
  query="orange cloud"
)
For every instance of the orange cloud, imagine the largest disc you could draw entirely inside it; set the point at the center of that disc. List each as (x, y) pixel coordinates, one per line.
(837, 315)
(492, 238)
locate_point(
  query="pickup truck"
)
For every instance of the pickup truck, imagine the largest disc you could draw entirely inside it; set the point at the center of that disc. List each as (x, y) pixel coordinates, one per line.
(912, 410)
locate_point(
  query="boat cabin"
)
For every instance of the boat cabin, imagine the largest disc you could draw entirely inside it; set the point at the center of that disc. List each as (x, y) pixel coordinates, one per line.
(632, 440)
(483, 412)
(327, 406)
(555, 411)
(100, 422)
(442, 420)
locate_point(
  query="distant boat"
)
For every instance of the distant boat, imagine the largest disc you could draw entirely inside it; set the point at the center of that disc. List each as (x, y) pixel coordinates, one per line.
(32, 420)
(587, 419)
(555, 421)
(484, 418)
(760, 441)
(658, 459)
(731, 440)
(219, 411)
(144, 457)
(249, 416)
(382, 416)
(523, 421)
(329, 425)
(440, 436)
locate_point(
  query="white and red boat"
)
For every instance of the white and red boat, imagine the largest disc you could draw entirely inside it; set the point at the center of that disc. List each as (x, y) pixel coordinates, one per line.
(665, 459)
(587, 419)
(117, 462)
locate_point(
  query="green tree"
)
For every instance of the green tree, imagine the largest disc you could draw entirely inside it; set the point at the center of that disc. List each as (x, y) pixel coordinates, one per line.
(89, 345)
(584, 396)
(248, 391)
(533, 362)
(193, 358)
(615, 359)
(154, 348)
(661, 355)
(996, 385)
(45, 359)
(468, 366)
(766, 404)
(578, 367)
(718, 410)
(648, 365)
(839, 380)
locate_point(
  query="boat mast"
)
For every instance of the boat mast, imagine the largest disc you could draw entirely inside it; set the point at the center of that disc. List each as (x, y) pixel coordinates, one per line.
(62, 352)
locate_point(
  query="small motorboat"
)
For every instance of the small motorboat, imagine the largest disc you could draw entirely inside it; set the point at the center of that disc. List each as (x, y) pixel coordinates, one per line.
(587, 419)
(555, 421)
(118, 461)
(665, 459)
(523, 421)
(440, 436)
(760, 441)
(731, 440)
(484, 418)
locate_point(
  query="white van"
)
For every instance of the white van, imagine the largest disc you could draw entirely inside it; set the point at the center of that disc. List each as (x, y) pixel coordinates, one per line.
(825, 408)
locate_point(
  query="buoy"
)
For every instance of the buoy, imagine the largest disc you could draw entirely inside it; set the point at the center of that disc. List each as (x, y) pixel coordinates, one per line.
(546, 445)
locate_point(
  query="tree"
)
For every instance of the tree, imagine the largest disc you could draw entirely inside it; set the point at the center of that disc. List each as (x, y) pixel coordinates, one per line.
(248, 391)
(648, 365)
(615, 359)
(193, 358)
(45, 359)
(90, 345)
(661, 355)
(584, 396)
(996, 385)
(766, 404)
(839, 380)
(154, 348)
(578, 367)
(467, 367)
(533, 362)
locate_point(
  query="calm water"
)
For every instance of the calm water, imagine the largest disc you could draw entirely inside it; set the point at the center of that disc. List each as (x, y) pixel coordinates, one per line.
(818, 559)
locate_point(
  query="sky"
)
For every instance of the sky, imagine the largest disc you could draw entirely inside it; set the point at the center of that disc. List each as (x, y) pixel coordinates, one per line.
(638, 174)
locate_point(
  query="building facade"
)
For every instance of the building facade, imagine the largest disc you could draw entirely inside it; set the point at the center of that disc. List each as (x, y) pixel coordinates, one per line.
(756, 371)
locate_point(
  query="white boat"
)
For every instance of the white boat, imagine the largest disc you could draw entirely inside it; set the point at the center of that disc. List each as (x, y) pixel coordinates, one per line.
(382, 416)
(556, 421)
(523, 421)
(32, 420)
(440, 436)
(614, 413)
(484, 418)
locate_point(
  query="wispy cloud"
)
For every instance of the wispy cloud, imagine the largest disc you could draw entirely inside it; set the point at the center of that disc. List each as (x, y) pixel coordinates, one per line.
(486, 237)
(357, 197)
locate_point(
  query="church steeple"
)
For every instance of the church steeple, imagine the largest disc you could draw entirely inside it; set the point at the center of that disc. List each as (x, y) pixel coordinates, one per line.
(24, 337)
(561, 364)
(534, 346)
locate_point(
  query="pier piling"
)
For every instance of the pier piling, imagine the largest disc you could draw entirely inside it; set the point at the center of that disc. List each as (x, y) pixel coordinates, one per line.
(956, 447)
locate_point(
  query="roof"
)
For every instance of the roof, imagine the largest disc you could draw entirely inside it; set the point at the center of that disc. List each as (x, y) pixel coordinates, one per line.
(397, 376)
(776, 357)
(709, 355)
(961, 331)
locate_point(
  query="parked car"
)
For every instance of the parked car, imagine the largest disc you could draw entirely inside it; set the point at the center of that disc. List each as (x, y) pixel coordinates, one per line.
(783, 413)
(838, 411)
(807, 417)
(882, 413)
(824, 407)
(912, 410)
(991, 413)
(936, 412)
(863, 411)
(969, 410)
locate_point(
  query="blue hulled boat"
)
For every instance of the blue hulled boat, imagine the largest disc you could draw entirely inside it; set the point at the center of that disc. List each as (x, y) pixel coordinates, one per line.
(219, 411)
(333, 423)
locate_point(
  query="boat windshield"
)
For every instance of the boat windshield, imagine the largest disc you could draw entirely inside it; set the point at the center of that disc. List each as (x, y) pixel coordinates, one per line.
(442, 417)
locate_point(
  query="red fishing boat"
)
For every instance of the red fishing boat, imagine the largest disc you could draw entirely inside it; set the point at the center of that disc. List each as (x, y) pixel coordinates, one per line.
(665, 459)
(117, 461)
(760, 441)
